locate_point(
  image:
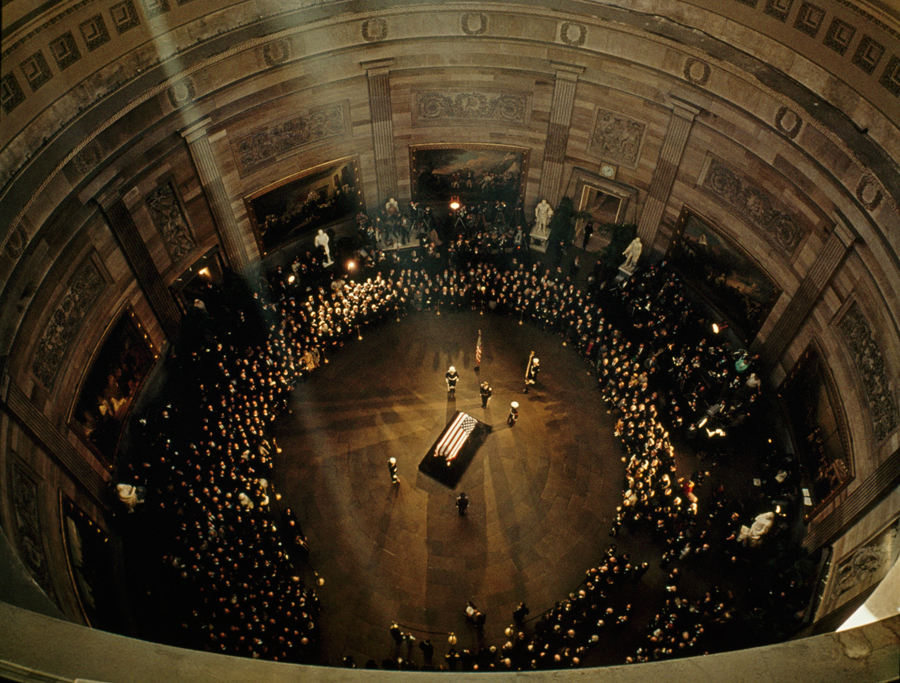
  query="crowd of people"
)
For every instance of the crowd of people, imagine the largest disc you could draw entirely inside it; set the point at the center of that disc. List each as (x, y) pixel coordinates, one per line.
(206, 465)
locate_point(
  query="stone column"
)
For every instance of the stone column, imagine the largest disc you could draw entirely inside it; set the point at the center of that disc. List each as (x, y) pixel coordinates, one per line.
(378, 73)
(673, 145)
(124, 229)
(817, 278)
(229, 233)
(558, 130)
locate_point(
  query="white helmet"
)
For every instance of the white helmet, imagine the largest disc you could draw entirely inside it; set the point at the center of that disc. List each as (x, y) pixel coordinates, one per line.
(452, 369)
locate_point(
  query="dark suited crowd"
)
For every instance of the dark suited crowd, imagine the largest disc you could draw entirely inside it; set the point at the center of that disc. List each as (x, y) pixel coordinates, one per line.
(207, 460)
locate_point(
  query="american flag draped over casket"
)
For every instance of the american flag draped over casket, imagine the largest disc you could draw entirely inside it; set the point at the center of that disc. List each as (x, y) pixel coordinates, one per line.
(455, 437)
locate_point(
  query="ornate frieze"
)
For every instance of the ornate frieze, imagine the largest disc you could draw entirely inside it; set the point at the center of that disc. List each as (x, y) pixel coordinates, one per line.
(470, 106)
(83, 290)
(168, 217)
(617, 137)
(756, 205)
(264, 145)
(29, 538)
(873, 371)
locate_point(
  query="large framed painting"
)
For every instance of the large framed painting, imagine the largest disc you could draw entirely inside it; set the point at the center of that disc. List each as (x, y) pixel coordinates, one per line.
(91, 565)
(723, 273)
(111, 384)
(474, 173)
(298, 206)
(818, 428)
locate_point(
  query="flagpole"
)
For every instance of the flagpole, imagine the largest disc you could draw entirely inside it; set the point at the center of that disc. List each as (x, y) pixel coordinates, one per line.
(528, 367)
(478, 353)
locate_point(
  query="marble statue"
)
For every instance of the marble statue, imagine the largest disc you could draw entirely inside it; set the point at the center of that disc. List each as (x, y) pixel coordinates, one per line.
(322, 241)
(542, 214)
(761, 526)
(129, 495)
(632, 254)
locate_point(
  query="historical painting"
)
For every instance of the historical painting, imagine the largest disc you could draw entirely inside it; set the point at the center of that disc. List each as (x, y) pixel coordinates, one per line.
(473, 173)
(817, 423)
(298, 206)
(862, 568)
(110, 386)
(723, 274)
(91, 565)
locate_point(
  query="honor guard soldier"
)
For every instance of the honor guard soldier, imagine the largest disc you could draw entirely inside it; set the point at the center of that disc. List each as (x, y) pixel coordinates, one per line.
(452, 378)
(486, 393)
(513, 414)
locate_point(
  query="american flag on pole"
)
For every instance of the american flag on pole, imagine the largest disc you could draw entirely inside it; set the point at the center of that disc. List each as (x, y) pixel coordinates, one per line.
(478, 350)
(455, 437)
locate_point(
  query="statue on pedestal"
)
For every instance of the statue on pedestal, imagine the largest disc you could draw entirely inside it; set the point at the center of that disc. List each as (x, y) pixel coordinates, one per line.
(761, 526)
(632, 254)
(322, 241)
(543, 212)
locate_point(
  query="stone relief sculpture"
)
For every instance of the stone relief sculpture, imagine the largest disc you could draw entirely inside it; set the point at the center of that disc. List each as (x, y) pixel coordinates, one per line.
(871, 366)
(756, 205)
(61, 328)
(617, 137)
(471, 106)
(28, 530)
(167, 216)
(862, 567)
(264, 145)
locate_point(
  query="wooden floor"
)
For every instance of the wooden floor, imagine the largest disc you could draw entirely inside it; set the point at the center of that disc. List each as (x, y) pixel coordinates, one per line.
(542, 493)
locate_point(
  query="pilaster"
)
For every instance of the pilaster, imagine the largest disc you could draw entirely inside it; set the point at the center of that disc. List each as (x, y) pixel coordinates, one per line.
(214, 189)
(677, 133)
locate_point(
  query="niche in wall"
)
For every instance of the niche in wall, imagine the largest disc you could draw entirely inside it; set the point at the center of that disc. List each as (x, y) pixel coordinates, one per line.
(112, 382)
(722, 273)
(819, 429)
(295, 207)
(474, 173)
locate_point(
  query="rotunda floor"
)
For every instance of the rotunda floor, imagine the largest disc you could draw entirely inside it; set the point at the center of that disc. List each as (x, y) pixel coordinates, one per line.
(542, 493)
